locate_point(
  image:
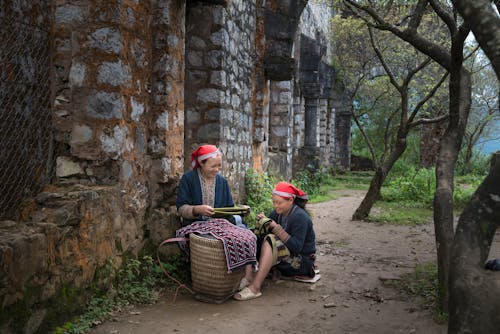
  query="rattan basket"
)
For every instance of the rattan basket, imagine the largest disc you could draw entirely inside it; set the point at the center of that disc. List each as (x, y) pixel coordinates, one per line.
(209, 269)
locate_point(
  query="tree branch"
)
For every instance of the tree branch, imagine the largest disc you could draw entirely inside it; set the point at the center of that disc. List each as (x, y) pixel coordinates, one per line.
(382, 61)
(417, 15)
(428, 121)
(445, 15)
(433, 50)
(485, 25)
(427, 97)
(415, 70)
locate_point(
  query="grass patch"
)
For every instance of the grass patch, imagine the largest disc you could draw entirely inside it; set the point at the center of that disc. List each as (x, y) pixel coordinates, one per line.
(324, 196)
(352, 181)
(395, 214)
(423, 284)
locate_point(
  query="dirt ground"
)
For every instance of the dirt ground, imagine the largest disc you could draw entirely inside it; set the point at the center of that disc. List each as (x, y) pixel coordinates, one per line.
(354, 258)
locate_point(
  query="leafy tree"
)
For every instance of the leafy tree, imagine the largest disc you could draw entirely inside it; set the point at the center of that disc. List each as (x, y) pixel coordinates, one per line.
(407, 27)
(474, 307)
(389, 85)
(406, 116)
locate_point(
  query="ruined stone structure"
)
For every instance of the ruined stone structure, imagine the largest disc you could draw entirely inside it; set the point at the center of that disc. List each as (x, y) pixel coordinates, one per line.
(112, 103)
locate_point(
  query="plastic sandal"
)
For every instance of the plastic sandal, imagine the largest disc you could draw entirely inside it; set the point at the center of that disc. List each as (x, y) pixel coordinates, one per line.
(243, 283)
(246, 294)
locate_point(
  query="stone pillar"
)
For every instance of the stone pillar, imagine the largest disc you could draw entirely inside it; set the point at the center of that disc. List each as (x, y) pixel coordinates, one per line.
(298, 122)
(331, 134)
(280, 129)
(260, 95)
(342, 138)
(323, 130)
(218, 95)
(311, 122)
(166, 118)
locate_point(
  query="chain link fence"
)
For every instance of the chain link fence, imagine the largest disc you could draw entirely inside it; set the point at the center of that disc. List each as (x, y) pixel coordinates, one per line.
(25, 115)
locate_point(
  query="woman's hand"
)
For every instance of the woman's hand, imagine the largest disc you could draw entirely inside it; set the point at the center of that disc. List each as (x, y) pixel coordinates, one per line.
(272, 224)
(203, 210)
(260, 215)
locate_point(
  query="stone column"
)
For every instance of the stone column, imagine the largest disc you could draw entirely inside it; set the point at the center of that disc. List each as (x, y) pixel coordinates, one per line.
(323, 128)
(311, 122)
(219, 71)
(166, 117)
(280, 128)
(331, 134)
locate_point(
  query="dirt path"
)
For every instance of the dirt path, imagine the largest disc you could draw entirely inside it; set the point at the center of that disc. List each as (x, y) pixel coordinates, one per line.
(354, 259)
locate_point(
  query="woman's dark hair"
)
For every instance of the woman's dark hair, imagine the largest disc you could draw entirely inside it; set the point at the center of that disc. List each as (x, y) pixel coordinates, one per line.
(300, 202)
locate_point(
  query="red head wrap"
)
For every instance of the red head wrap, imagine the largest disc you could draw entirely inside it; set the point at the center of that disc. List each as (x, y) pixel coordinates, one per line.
(285, 189)
(202, 153)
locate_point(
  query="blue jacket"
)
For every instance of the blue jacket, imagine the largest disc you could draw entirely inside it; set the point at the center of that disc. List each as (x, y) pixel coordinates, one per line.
(190, 191)
(299, 226)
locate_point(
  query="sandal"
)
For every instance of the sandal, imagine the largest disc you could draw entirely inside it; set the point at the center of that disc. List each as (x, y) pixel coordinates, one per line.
(246, 294)
(243, 283)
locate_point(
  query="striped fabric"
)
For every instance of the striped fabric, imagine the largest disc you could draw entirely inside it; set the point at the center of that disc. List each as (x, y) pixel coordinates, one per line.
(279, 249)
(240, 244)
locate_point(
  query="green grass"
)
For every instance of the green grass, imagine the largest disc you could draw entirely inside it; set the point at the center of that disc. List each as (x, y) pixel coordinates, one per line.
(352, 181)
(423, 284)
(396, 214)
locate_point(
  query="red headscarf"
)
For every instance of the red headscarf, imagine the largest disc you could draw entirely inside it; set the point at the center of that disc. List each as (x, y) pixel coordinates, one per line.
(288, 190)
(202, 153)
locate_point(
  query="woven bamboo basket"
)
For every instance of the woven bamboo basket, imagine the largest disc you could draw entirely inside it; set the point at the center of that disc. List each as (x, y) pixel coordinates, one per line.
(209, 269)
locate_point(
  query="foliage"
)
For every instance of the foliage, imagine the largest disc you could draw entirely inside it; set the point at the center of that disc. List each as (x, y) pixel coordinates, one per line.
(317, 184)
(352, 180)
(394, 213)
(138, 281)
(258, 189)
(415, 187)
(308, 180)
(477, 164)
(422, 283)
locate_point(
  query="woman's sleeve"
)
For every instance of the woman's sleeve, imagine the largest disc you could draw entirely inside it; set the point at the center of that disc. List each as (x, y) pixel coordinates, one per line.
(297, 230)
(184, 193)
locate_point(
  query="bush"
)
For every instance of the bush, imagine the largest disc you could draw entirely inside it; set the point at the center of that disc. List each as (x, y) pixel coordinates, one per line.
(416, 187)
(258, 189)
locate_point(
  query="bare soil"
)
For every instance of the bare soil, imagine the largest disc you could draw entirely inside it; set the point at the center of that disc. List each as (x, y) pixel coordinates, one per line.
(355, 259)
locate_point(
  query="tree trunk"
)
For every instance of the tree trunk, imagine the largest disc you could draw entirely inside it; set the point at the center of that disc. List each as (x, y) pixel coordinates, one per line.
(378, 179)
(460, 95)
(474, 291)
(485, 25)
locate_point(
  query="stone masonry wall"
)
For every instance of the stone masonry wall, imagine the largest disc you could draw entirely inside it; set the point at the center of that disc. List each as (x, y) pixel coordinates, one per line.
(117, 114)
(280, 129)
(135, 85)
(219, 72)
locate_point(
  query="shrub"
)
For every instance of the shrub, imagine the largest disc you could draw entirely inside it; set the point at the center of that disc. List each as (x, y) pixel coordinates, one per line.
(258, 189)
(415, 187)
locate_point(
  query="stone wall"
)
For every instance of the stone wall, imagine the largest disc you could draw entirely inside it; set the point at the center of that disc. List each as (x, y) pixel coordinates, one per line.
(219, 73)
(117, 88)
(134, 87)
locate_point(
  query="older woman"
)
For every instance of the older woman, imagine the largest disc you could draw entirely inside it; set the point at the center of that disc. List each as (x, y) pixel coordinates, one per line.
(202, 189)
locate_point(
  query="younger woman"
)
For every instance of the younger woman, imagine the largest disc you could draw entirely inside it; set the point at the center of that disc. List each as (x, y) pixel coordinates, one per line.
(291, 246)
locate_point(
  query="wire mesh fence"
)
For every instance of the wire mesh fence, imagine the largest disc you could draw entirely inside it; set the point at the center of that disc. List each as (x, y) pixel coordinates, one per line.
(25, 118)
